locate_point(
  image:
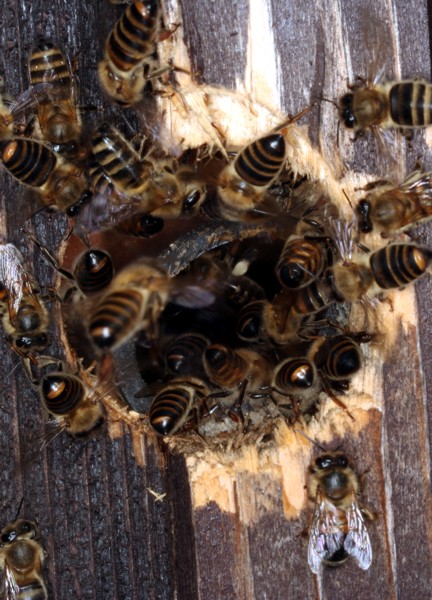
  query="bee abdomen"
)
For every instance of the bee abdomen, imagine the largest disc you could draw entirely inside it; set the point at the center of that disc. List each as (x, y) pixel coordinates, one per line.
(141, 225)
(133, 37)
(48, 65)
(29, 161)
(61, 393)
(261, 161)
(339, 358)
(185, 353)
(116, 316)
(169, 410)
(224, 366)
(312, 298)
(399, 264)
(300, 261)
(94, 271)
(296, 372)
(411, 103)
(249, 322)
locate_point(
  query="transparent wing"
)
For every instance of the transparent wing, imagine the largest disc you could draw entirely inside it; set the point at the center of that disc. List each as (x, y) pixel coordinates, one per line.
(357, 542)
(326, 536)
(13, 276)
(11, 589)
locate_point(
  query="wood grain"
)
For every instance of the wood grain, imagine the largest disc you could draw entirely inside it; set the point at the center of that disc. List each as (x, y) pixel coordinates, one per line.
(231, 525)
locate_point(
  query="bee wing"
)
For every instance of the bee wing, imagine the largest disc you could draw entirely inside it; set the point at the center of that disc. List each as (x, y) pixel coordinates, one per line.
(325, 536)
(11, 589)
(357, 542)
(12, 276)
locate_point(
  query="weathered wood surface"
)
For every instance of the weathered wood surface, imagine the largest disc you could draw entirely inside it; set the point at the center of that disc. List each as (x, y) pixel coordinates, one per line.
(231, 526)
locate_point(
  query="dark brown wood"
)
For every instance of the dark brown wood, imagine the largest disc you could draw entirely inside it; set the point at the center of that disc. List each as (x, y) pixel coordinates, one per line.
(106, 535)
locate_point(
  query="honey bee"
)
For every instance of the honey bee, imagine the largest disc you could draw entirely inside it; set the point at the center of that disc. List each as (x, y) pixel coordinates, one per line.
(119, 161)
(135, 299)
(129, 51)
(391, 208)
(92, 271)
(184, 354)
(73, 401)
(295, 386)
(59, 183)
(176, 403)
(57, 112)
(21, 562)
(250, 321)
(301, 261)
(390, 267)
(338, 528)
(25, 317)
(403, 104)
(140, 225)
(235, 369)
(244, 182)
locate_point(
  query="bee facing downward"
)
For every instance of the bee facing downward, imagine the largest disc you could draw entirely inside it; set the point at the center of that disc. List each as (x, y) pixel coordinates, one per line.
(21, 562)
(338, 528)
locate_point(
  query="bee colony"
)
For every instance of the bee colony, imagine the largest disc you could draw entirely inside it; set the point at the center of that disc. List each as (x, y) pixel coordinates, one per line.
(211, 501)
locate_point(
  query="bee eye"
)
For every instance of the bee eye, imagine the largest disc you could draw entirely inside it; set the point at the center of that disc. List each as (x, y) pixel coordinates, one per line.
(324, 462)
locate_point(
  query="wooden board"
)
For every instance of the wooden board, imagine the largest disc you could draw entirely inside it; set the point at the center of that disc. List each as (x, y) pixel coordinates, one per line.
(230, 526)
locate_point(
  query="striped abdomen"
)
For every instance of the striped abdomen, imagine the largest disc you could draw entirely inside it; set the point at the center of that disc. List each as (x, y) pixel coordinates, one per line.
(29, 161)
(411, 103)
(249, 321)
(339, 358)
(94, 270)
(49, 66)
(294, 374)
(312, 298)
(397, 265)
(259, 163)
(134, 35)
(118, 159)
(224, 366)
(185, 353)
(300, 262)
(172, 406)
(116, 317)
(61, 393)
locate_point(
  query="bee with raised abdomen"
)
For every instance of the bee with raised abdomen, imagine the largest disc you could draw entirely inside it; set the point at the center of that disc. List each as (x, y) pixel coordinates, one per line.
(21, 562)
(129, 52)
(338, 528)
(57, 111)
(73, 401)
(390, 209)
(59, 183)
(402, 104)
(176, 403)
(25, 317)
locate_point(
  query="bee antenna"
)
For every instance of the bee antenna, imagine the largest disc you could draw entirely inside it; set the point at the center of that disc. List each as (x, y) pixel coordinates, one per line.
(19, 508)
(310, 439)
(327, 100)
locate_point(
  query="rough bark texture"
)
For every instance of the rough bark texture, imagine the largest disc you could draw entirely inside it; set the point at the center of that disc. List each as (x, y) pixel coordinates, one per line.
(106, 536)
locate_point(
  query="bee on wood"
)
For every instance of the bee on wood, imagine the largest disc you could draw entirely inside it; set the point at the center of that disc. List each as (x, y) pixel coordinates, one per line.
(25, 316)
(59, 183)
(129, 52)
(21, 562)
(338, 528)
(392, 209)
(302, 260)
(57, 112)
(73, 401)
(402, 104)
(176, 403)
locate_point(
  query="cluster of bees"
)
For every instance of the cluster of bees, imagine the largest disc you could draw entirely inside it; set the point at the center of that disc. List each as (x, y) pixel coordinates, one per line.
(237, 330)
